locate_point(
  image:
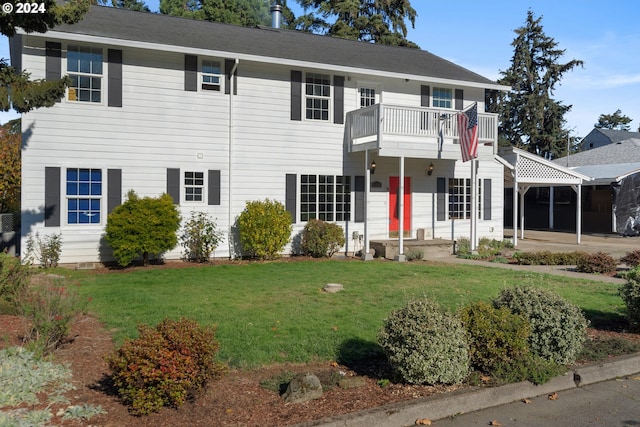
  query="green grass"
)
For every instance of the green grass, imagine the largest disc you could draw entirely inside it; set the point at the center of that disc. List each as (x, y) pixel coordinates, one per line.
(276, 312)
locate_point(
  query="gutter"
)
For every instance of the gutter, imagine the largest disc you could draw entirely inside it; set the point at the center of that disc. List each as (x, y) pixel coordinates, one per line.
(232, 82)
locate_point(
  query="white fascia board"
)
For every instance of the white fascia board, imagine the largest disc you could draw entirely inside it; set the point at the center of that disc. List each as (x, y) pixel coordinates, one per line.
(551, 164)
(259, 58)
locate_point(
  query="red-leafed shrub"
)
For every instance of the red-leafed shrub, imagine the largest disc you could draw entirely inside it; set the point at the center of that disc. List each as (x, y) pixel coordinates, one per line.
(597, 263)
(165, 366)
(632, 259)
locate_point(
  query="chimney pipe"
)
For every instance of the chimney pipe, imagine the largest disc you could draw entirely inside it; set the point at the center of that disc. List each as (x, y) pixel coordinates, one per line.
(276, 14)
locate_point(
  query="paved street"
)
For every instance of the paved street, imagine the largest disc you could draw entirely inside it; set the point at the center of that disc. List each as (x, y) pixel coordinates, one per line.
(609, 403)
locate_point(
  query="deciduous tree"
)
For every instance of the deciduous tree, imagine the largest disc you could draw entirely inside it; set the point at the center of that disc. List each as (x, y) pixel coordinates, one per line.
(530, 117)
(10, 142)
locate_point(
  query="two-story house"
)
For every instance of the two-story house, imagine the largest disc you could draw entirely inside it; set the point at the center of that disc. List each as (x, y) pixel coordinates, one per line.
(216, 115)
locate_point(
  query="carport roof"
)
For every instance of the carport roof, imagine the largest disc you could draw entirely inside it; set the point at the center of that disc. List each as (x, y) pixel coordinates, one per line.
(535, 171)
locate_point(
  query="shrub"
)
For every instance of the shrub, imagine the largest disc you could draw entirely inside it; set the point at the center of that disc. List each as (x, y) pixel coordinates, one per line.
(164, 366)
(14, 278)
(425, 344)
(496, 336)
(322, 239)
(46, 250)
(596, 263)
(558, 328)
(630, 293)
(265, 228)
(199, 237)
(414, 255)
(632, 259)
(549, 258)
(49, 309)
(142, 227)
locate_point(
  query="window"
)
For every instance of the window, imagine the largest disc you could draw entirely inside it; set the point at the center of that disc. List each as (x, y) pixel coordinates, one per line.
(325, 197)
(318, 95)
(84, 194)
(193, 186)
(442, 97)
(367, 97)
(211, 75)
(460, 198)
(84, 66)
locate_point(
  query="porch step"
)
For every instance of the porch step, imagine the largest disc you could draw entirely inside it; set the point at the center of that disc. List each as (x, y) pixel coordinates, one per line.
(430, 249)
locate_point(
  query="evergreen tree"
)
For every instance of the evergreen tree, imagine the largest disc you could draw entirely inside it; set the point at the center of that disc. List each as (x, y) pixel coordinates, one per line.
(137, 5)
(17, 91)
(529, 116)
(248, 13)
(615, 121)
(376, 21)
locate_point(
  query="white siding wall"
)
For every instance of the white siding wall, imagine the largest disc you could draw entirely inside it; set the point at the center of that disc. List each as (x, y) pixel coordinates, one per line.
(162, 126)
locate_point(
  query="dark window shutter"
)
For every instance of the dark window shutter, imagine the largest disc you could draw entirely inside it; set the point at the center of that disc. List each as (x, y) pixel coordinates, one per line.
(173, 184)
(51, 197)
(228, 66)
(441, 199)
(425, 94)
(115, 78)
(191, 73)
(291, 203)
(487, 199)
(359, 198)
(214, 187)
(459, 99)
(296, 95)
(53, 63)
(338, 100)
(114, 189)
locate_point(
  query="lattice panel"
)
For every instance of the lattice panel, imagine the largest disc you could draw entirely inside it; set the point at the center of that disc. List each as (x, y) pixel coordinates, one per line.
(527, 168)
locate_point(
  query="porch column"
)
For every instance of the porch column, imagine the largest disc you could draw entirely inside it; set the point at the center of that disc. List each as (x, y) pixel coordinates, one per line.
(400, 257)
(578, 190)
(516, 194)
(551, 208)
(366, 256)
(524, 191)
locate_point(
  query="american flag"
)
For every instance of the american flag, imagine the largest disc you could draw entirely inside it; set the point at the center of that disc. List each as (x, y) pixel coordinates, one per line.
(468, 130)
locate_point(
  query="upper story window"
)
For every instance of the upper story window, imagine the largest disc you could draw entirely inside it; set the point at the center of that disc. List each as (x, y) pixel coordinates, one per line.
(442, 97)
(367, 96)
(318, 96)
(84, 66)
(84, 195)
(194, 186)
(211, 75)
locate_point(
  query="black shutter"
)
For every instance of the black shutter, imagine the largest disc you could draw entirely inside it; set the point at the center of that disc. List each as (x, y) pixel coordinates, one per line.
(191, 73)
(214, 187)
(115, 78)
(114, 189)
(53, 63)
(441, 199)
(459, 99)
(228, 66)
(425, 94)
(51, 197)
(296, 95)
(487, 199)
(338, 100)
(358, 188)
(291, 203)
(173, 184)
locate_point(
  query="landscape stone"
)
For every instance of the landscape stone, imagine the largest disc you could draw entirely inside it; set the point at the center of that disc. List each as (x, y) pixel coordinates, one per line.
(302, 388)
(332, 288)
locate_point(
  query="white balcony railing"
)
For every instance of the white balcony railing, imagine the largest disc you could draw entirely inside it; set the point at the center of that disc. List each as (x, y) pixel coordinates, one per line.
(378, 121)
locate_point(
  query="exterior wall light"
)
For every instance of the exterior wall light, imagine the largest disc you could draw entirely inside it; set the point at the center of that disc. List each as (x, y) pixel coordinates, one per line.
(430, 169)
(373, 167)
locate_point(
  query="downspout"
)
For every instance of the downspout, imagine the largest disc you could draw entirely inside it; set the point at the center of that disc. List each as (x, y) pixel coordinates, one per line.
(232, 82)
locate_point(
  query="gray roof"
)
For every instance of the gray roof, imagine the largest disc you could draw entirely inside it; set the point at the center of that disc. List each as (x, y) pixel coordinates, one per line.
(267, 42)
(605, 174)
(626, 151)
(617, 135)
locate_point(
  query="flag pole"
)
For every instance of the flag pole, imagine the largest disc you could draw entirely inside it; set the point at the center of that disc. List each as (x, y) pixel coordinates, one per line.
(474, 206)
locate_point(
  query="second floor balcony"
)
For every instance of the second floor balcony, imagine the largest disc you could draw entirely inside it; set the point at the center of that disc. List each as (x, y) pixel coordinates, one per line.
(414, 132)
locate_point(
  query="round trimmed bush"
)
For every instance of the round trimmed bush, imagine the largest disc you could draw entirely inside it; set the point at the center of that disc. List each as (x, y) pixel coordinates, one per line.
(630, 293)
(558, 327)
(322, 239)
(497, 337)
(596, 263)
(425, 344)
(265, 228)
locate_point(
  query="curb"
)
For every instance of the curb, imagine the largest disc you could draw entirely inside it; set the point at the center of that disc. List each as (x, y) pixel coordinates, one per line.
(447, 405)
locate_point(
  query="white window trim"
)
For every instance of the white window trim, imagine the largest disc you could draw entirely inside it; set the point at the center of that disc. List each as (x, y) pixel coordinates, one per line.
(368, 85)
(202, 74)
(335, 198)
(433, 98)
(480, 206)
(329, 98)
(104, 79)
(64, 208)
(183, 187)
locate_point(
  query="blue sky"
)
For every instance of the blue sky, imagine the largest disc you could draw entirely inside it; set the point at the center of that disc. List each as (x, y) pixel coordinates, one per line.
(478, 35)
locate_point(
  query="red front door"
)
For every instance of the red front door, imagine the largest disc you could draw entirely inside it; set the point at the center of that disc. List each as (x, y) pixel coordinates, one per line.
(394, 206)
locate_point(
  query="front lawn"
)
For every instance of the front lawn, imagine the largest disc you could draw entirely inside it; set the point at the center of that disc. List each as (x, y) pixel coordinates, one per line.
(276, 312)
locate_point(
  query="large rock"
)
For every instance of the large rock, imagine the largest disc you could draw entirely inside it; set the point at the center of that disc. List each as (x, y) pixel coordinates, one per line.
(302, 388)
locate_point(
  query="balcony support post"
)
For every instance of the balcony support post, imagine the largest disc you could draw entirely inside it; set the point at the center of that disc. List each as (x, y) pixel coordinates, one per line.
(401, 257)
(366, 255)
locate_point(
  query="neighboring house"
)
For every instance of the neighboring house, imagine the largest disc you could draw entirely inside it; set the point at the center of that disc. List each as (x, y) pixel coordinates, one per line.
(601, 137)
(216, 115)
